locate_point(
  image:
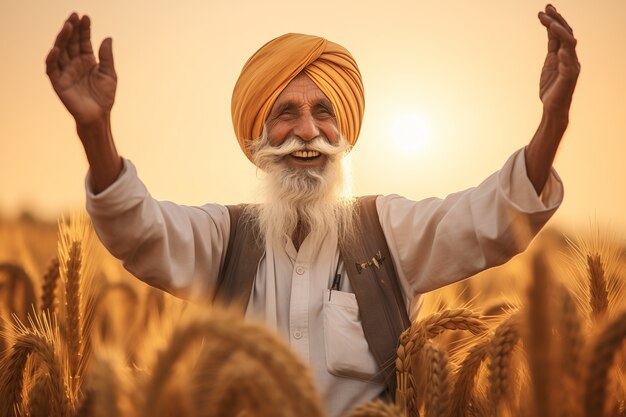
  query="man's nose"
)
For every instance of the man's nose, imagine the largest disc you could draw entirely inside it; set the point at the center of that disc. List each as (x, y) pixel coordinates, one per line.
(306, 128)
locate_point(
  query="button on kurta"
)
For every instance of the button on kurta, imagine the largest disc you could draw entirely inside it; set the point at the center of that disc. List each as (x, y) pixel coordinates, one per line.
(297, 334)
(299, 270)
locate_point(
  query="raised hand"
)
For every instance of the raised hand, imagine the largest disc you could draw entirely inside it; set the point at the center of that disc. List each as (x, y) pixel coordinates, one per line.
(561, 67)
(556, 88)
(86, 87)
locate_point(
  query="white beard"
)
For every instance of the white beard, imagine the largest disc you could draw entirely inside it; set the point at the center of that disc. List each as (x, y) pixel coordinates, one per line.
(316, 199)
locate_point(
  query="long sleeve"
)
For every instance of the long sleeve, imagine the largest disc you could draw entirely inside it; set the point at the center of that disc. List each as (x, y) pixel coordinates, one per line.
(176, 248)
(435, 242)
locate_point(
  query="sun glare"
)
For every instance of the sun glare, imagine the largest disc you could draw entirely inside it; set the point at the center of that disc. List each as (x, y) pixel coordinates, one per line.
(410, 132)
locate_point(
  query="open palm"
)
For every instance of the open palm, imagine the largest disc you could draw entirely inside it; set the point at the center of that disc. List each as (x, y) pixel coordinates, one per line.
(561, 67)
(86, 87)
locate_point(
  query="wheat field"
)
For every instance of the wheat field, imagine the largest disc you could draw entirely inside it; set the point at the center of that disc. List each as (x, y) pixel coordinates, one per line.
(540, 336)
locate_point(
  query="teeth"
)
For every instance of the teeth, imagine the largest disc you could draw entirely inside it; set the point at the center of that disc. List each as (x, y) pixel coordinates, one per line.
(305, 154)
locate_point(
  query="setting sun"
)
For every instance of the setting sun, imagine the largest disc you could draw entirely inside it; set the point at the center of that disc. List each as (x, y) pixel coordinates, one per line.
(410, 132)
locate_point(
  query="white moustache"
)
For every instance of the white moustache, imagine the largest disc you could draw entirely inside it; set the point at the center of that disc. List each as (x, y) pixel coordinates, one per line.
(295, 145)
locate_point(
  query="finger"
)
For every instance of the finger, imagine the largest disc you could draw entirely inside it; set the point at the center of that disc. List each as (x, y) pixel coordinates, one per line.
(551, 10)
(106, 56)
(72, 45)
(553, 40)
(85, 36)
(62, 40)
(52, 63)
(63, 36)
(562, 33)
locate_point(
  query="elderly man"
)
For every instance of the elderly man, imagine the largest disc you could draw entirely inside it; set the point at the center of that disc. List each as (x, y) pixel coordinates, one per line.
(332, 274)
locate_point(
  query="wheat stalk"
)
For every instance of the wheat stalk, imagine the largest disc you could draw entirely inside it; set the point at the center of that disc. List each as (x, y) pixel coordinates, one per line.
(603, 351)
(570, 329)
(571, 347)
(540, 346)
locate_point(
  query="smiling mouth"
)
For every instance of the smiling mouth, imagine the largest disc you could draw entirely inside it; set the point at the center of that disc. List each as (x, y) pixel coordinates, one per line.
(306, 155)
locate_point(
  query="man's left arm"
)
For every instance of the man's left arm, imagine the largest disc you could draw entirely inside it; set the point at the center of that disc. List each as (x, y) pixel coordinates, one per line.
(558, 80)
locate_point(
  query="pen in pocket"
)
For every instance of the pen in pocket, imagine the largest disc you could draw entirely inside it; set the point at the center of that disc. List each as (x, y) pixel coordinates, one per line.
(336, 285)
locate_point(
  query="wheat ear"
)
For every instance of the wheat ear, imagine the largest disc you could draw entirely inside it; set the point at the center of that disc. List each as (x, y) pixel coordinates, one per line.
(19, 277)
(48, 293)
(86, 405)
(466, 377)
(11, 381)
(214, 358)
(457, 319)
(72, 306)
(479, 407)
(429, 327)
(598, 294)
(437, 392)
(258, 343)
(500, 370)
(291, 375)
(105, 384)
(74, 248)
(377, 409)
(604, 348)
(106, 327)
(39, 398)
(246, 385)
(405, 392)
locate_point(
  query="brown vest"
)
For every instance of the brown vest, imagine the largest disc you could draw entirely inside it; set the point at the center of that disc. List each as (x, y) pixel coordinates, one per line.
(370, 270)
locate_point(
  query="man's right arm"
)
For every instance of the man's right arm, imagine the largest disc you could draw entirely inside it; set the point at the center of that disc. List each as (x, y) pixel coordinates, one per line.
(176, 248)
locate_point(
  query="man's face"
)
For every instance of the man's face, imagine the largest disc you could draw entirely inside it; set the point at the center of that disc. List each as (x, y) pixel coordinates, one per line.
(302, 110)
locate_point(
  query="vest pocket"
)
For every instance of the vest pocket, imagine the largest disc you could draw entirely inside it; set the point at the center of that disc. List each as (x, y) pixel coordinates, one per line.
(347, 352)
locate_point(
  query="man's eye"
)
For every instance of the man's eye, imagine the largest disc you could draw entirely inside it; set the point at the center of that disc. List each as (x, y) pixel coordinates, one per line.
(323, 111)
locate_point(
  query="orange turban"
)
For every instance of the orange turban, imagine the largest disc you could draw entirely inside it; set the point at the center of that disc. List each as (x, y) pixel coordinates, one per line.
(271, 68)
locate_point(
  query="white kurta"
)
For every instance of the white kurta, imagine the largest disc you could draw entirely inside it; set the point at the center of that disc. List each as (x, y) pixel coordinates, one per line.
(433, 242)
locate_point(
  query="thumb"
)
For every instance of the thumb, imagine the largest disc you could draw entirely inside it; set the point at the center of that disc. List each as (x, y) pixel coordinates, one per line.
(106, 56)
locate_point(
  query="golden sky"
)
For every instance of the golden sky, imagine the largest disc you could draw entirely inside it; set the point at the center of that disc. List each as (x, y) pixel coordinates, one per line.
(463, 74)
